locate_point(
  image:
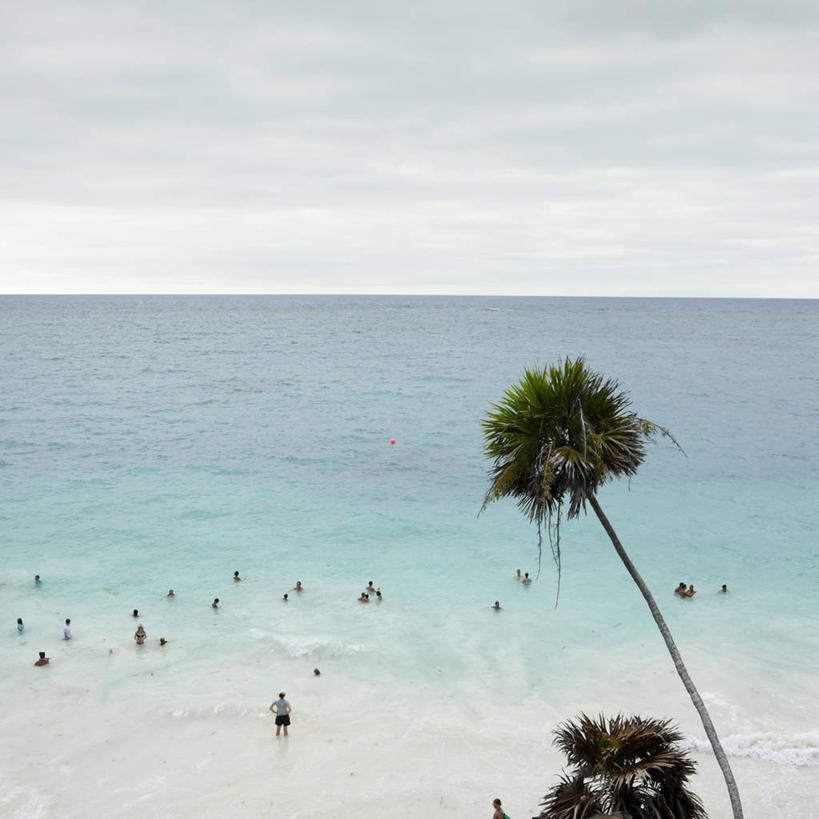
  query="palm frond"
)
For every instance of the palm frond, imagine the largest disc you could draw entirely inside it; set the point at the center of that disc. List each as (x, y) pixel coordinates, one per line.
(571, 798)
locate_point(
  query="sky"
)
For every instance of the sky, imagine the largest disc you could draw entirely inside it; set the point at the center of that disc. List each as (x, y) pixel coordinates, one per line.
(636, 148)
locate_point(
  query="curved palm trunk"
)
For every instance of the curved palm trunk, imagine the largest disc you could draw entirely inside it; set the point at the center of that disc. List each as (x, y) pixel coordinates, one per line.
(710, 731)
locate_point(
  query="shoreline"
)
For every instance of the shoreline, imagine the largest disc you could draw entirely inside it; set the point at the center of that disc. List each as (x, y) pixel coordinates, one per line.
(150, 741)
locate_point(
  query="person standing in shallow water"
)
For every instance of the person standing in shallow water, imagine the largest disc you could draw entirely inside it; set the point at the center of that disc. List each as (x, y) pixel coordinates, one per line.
(281, 708)
(498, 814)
(43, 660)
(20, 625)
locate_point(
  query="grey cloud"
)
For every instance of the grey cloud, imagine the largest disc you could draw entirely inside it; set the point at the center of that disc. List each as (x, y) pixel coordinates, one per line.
(432, 145)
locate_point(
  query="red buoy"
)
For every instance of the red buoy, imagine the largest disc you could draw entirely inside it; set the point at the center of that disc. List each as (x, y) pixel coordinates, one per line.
(392, 441)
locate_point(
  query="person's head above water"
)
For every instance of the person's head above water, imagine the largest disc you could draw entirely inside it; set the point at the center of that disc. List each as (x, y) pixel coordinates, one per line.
(316, 672)
(724, 588)
(162, 641)
(42, 655)
(171, 593)
(135, 613)
(36, 578)
(285, 597)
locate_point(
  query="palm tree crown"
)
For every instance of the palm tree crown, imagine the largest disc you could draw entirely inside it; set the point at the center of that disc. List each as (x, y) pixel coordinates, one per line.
(560, 434)
(557, 436)
(629, 766)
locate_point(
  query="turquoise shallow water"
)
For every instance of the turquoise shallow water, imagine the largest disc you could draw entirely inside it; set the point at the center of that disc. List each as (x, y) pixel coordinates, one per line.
(150, 442)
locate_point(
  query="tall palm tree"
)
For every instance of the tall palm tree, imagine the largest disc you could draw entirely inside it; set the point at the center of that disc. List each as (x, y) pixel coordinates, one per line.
(556, 437)
(625, 766)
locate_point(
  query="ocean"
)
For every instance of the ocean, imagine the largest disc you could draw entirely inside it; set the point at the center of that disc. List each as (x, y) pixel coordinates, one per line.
(157, 442)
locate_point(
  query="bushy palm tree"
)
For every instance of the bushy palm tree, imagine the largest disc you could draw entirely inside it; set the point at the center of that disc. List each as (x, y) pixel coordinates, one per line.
(625, 766)
(554, 439)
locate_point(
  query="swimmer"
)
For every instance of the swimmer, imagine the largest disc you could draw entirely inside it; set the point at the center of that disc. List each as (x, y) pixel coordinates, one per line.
(67, 629)
(215, 603)
(378, 597)
(20, 625)
(135, 613)
(680, 589)
(526, 578)
(497, 606)
(43, 660)
(365, 598)
(298, 586)
(316, 672)
(39, 583)
(140, 635)
(162, 641)
(237, 578)
(517, 576)
(724, 589)
(170, 593)
(285, 597)
(370, 586)
(690, 591)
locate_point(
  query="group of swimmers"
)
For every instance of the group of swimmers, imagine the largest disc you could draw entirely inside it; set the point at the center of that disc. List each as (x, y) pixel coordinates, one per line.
(688, 591)
(523, 578)
(140, 635)
(364, 597)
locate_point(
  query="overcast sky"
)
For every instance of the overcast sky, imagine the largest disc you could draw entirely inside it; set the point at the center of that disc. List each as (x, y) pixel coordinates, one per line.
(548, 148)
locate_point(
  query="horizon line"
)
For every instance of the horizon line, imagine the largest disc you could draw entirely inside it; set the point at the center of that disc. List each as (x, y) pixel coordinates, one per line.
(413, 295)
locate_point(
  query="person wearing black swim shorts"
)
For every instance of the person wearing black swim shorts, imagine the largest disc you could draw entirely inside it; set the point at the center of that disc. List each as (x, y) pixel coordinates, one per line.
(281, 708)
